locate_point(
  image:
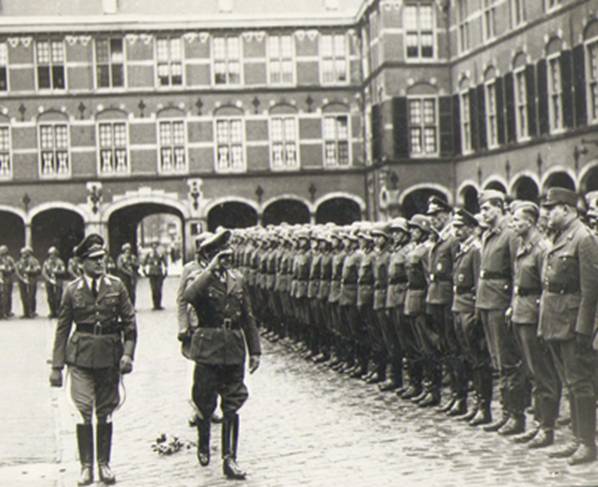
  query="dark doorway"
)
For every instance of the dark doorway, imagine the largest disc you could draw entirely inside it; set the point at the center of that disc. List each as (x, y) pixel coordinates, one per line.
(232, 214)
(341, 211)
(496, 185)
(590, 180)
(289, 211)
(417, 201)
(13, 232)
(559, 180)
(470, 199)
(526, 188)
(58, 228)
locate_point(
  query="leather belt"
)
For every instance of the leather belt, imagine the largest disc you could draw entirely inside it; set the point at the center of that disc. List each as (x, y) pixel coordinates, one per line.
(463, 290)
(560, 289)
(98, 329)
(493, 275)
(439, 278)
(227, 324)
(415, 288)
(527, 291)
(398, 280)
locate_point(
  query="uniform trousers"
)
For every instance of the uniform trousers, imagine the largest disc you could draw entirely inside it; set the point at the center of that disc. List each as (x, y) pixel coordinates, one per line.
(95, 388)
(54, 295)
(211, 380)
(7, 296)
(156, 287)
(506, 358)
(546, 384)
(28, 297)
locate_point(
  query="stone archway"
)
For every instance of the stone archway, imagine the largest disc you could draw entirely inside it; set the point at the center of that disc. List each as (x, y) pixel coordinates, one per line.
(56, 227)
(496, 185)
(13, 231)
(469, 199)
(285, 210)
(339, 210)
(416, 201)
(559, 179)
(589, 180)
(525, 188)
(231, 214)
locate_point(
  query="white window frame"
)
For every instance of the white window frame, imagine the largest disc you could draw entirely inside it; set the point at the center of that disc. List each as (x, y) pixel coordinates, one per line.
(422, 126)
(36, 64)
(213, 61)
(334, 59)
(95, 64)
(552, 5)
(159, 146)
(6, 67)
(463, 26)
(556, 58)
(169, 38)
(112, 122)
(491, 114)
(243, 144)
(521, 105)
(365, 52)
(489, 10)
(518, 13)
(295, 140)
(466, 146)
(592, 101)
(53, 124)
(419, 58)
(8, 176)
(280, 59)
(336, 165)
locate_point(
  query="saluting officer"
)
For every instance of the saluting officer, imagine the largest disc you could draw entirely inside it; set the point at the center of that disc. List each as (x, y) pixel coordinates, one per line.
(53, 272)
(97, 353)
(156, 268)
(226, 327)
(27, 270)
(568, 316)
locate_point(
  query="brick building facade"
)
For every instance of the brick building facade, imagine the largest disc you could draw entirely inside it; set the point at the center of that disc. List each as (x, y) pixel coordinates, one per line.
(236, 113)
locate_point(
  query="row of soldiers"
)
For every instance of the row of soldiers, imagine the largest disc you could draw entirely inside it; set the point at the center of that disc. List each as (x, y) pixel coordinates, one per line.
(27, 270)
(510, 293)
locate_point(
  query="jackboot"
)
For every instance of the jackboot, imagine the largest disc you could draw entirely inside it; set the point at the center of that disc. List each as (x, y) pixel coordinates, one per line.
(420, 397)
(586, 431)
(411, 392)
(445, 407)
(514, 426)
(104, 445)
(568, 450)
(432, 399)
(473, 411)
(484, 414)
(544, 438)
(230, 442)
(85, 444)
(459, 407)
(203, 442)
(498, 424)
(529, 435)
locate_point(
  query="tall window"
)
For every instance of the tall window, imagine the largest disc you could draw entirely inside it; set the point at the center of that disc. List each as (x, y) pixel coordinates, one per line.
(489, 15)
(3, 66)
(54, 152)
(227, 61)
(336, 140)
(110, 70)
(518, 12)
(113, 148)
(521, 104)
(169, 54)
(555, 93)
(5, 164)
(283, 136)
(423, 123)
(50, 65)
(592, 63)
(333, 58)
(463, 13)
(419, 29)
(172, 146)
(280, 59)
(491, 122)
(229, 145)
(552, 4)
(365, 52)
(465, 122)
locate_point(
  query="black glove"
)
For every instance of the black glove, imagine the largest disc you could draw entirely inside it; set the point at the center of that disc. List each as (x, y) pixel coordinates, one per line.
(184, 336)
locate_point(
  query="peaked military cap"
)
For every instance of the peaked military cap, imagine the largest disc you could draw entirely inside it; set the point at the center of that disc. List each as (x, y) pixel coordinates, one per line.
(91, 247)
(216, 240)
(560, 196)
(464, 218)
(436, 205)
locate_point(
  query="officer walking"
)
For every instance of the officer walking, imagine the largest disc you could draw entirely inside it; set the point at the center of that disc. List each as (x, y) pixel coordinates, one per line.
(226, 327)
(27, 270)
(53, 272)
(156, 268)
(97, 353)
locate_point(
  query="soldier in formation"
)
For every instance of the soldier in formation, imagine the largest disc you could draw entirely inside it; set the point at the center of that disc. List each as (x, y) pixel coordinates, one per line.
(446, 298)
(7, 272)
(27, 270)
(53, 272)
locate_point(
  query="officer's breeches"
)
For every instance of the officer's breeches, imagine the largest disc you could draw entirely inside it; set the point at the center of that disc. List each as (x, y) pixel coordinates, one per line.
(209, 381)
(95, 387)
(156, 286)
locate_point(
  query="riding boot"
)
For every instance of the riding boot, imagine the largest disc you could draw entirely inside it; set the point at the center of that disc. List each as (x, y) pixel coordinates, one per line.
(230, 442)
(203, 441)
(85, 444)
(586, 430)
(104, 445)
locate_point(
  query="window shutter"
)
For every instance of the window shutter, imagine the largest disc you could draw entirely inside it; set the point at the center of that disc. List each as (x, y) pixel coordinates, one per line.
(377, 133)
(543, 114)
(400, 127)
(482, 136)
(456, 125)
(510, 115)
(473, 119)
(500, 110)
(530, 85)
(567, 77)
(445, 109)
(579, 86)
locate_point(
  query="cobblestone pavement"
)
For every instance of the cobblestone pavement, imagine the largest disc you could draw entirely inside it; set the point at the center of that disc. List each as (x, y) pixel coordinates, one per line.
(302, 426)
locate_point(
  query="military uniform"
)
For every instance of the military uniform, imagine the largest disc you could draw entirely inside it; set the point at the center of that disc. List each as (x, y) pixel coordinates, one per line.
(74, 268)
(127, 268)
(7, 271)
(53, 272)
(27, 270)
(156, 268)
